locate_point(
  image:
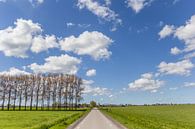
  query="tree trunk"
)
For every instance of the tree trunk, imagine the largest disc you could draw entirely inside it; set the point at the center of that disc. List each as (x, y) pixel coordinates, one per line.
(31, 99)
(15, 94)
(54, 98)
(37, 98)
(60, 96)
(9, 97)
(48, 100)
(42, 100)
(72, 97)
(26, 97)
(66, 96)
(2, 107)
(42, 105)
(20, 100)
(76, 97)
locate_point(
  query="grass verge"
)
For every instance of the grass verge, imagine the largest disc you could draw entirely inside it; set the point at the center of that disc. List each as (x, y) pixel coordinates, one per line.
(37, 119)
(154, 117)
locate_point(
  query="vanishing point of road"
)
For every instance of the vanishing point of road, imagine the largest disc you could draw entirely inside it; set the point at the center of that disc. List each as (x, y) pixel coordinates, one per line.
(96, 120)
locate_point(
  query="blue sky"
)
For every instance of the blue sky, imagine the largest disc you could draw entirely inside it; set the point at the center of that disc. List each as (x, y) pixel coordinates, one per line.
(127, 51)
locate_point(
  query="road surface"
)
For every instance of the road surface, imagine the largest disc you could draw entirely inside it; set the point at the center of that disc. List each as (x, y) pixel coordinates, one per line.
(96, 120)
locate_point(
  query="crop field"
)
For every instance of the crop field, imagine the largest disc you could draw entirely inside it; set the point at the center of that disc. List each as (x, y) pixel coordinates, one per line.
(38, 119)
(154, 117)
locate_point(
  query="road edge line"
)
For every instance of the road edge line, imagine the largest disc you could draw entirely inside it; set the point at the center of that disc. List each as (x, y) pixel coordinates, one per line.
(77, 122)
(118, 124)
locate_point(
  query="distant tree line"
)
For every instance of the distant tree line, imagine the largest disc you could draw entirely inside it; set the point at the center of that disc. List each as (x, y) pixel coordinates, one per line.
(40, 92)
(156, 104)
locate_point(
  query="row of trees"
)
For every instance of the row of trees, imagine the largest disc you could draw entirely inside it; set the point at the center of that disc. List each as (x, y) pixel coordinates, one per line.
(34, 92)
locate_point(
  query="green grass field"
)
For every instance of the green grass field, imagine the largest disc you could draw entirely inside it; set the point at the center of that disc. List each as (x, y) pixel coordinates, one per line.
(154, 117)
(38, 119)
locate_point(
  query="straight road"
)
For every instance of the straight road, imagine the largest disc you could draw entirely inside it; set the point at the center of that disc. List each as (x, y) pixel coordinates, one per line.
(96, 120)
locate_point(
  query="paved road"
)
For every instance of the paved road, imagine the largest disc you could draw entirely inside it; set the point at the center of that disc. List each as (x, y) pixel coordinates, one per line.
(96, 120)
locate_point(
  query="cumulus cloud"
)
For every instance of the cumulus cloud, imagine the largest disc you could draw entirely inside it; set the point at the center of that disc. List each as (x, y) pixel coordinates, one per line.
(15, 41)
(89, 89)
(102, 11)
(57, 64)
(14, 71)
(26, 35)
(91, 72)
(41, 43)
(175, 51)
(166, 31)
(138, 5)
(178, 68)
(147, 82)
(189, 84)
(93, 43)
(185, 33)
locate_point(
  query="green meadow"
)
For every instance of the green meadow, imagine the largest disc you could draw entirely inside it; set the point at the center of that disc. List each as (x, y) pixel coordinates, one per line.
(154, 117)
(38, 119)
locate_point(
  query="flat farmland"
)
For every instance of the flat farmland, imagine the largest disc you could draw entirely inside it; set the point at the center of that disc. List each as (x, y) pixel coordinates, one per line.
(154, 117)
(38, 119)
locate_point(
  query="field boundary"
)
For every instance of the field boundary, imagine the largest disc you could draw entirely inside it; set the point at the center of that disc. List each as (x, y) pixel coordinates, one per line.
(53, 123)
(118, 124)
(74, 124)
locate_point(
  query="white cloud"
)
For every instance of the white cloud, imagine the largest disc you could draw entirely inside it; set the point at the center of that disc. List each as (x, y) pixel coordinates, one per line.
(102, 11)
(185, 33)
(93, 43)
(41, 43)
(57, 64)
(138, 5)
(14, 71)
(70, 24)
(108, 2)
(173, 88)
(36, 2)
(17, 41)
(146, 82)
(175, 51)
(189, 84)
(91, 72)
(84, 25)
(166, 31)
(89, 89)
(110, 96)
(178, 68)
(189, 55)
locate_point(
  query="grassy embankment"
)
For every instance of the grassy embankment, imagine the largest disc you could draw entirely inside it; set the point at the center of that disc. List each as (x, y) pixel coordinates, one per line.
(154, 117)
(38, 119)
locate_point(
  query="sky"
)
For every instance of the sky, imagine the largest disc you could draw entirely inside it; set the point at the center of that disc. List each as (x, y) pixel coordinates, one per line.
(127, 51)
